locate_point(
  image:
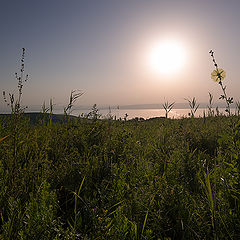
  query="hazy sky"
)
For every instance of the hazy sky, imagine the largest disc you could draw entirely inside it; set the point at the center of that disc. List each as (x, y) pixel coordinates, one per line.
(102, 47)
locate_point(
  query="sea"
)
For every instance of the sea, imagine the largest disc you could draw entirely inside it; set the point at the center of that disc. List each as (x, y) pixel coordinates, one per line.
(142, 113)
(131, 113)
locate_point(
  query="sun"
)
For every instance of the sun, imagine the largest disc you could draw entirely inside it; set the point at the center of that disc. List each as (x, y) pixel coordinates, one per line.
(167, 57)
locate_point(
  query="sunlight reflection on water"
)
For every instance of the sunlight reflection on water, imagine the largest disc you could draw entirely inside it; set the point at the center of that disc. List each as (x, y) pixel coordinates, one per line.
(133, 113)
(143, 113)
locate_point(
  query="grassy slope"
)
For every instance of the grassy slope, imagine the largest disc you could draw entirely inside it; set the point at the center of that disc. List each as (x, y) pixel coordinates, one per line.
(158, 179)
(35, 117)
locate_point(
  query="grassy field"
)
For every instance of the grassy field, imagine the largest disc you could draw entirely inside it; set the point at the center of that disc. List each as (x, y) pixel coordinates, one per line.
(105, 179)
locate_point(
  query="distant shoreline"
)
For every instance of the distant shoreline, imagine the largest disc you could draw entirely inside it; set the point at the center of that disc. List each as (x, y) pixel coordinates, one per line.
(38, 108)
(131, 113)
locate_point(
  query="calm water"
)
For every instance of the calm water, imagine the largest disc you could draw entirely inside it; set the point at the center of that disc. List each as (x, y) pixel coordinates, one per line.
(133, 113)
(144, 113)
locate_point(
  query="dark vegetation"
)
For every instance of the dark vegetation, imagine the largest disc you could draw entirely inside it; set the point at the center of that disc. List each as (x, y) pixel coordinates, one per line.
(35, 117)
(105, 179)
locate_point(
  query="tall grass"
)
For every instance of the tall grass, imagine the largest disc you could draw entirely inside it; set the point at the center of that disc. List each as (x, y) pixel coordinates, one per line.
(192, 172)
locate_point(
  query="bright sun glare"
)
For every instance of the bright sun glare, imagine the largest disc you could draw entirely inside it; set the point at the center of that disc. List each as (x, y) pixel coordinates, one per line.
(167, 57)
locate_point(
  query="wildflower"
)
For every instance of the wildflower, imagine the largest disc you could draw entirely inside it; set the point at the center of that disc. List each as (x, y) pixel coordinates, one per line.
(218, 75)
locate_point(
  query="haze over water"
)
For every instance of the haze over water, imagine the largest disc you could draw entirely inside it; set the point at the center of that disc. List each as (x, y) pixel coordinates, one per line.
(145, 113)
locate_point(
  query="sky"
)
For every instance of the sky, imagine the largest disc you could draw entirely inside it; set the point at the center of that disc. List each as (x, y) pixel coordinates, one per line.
(102, 48)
